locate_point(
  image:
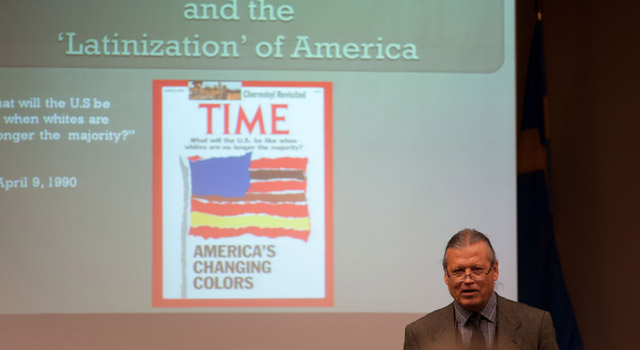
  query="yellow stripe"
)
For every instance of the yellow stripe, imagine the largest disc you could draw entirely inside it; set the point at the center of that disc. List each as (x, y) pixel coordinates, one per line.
(262, 221)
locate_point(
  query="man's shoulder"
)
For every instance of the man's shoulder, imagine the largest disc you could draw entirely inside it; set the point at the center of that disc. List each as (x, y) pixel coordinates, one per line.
(508, 303)
(435, 318)
(512, 307)
(433, 330)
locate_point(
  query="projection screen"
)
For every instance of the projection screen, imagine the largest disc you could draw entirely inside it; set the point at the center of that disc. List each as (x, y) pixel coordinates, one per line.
(252, 162)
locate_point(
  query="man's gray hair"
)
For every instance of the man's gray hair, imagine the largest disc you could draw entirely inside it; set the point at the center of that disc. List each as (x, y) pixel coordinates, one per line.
(465, 238)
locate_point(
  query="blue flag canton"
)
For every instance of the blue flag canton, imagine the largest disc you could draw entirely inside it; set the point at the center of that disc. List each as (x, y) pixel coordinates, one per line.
(228, 177)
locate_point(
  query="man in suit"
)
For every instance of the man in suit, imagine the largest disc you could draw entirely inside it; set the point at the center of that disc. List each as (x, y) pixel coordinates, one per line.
(478, 318)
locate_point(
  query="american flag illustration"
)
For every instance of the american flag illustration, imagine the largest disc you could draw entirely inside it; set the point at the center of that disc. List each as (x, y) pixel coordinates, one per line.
(232, 196)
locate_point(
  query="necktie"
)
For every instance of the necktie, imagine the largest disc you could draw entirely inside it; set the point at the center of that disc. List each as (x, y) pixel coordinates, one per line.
(477, 338)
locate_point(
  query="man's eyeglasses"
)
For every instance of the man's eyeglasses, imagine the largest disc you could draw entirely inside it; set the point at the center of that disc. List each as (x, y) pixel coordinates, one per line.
(477, 274)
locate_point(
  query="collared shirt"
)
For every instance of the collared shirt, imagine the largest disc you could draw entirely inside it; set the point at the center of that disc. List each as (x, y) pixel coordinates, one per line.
(487, 324)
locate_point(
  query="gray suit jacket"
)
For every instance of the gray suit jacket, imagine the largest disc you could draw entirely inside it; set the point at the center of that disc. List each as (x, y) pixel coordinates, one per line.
(519, 327)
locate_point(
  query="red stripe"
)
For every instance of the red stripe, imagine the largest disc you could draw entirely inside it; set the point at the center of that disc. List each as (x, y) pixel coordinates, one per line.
(258, 197)
(229, 209)
(279, 163)
(275, 186)
(214, 232)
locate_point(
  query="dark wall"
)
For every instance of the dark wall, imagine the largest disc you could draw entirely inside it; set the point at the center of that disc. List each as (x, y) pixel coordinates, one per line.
(593, 71)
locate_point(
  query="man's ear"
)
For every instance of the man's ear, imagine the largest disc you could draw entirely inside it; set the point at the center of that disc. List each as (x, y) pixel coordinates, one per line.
(496, 271)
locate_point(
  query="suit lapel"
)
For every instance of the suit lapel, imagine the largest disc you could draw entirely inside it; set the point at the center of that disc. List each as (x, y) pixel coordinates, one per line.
(509, 331)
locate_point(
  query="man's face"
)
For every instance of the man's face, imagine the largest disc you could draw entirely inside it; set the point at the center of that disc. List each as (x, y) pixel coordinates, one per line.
(472, 295)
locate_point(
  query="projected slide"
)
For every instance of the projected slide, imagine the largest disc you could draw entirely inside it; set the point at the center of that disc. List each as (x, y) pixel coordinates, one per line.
(242, 193)
(251, 156)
